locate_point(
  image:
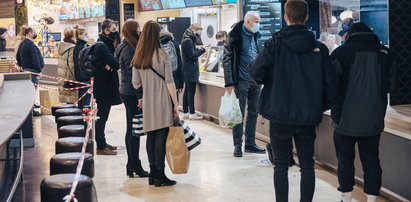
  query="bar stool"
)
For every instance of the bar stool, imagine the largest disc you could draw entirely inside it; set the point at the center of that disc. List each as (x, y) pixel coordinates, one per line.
(56, 187)
(67, 163)
(67, 112)
(71, 131)
(69, 120)
(63, 106)
(73, 144)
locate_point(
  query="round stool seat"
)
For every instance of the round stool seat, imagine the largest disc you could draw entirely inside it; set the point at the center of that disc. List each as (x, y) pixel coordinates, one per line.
(56, 187)
(67, 112)
(73, 144)
(69, 120)
(63, 106)
(72, 131)
(67, 163)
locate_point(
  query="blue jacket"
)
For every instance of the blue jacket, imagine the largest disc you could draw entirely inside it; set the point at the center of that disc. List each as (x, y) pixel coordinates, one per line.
(29, 56)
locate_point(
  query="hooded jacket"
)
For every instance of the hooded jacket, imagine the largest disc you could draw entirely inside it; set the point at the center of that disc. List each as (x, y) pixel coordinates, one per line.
(232, 54)
(66, 70)
(79, 46)
(291, 67)
(178, 75)
(106, 84)
(363, 73)
(190, 55)
(29, 56)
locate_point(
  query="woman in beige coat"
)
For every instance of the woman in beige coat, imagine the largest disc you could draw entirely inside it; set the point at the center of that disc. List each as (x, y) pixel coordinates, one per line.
(66, 65)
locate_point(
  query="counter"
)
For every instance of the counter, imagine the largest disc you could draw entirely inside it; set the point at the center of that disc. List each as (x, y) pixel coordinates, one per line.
(395, 146)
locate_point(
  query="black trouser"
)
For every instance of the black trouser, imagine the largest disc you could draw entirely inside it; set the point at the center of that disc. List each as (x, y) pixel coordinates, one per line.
(156, 148)
(102, 113)
(369, 155)
(132, 142)
(86, 99)
(188, 98)
(281, 143)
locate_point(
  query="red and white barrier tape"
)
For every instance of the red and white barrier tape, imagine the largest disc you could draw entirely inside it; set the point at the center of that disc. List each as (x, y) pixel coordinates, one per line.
(58, 78)
(57, 89)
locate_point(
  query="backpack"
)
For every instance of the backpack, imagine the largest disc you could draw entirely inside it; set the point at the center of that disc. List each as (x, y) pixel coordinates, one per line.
(172, 53)
(87, 61)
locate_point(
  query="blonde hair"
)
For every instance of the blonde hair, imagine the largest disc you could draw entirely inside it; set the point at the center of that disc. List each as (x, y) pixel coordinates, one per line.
(195, 27)
(79, 30)
(69, 32)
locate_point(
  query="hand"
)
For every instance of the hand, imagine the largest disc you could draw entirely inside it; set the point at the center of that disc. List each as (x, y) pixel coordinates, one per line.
(176, 112)
(180, 91)
(108, 68)
(230, 88)
(140, 104)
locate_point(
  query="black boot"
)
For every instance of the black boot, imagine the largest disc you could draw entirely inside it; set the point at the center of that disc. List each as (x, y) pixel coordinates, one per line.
(161, 179)
(152, 175)
(137, 169)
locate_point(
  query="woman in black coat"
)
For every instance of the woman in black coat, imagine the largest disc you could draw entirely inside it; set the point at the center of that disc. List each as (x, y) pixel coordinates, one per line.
(130, 96)
(191, 70)
(82, 37)
(3, 32)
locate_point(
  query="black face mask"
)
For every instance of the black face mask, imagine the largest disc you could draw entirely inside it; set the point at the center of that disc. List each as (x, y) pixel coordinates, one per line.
(34, 36)
(113, 35)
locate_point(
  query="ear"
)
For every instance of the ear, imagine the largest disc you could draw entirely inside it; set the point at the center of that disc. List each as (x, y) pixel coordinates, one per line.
(286, 18)
(306, 18)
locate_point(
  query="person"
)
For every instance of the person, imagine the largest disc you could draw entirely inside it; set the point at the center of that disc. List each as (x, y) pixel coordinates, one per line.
(81, 41)
(20, 37)
(221, 36)
(29, 57)
(345, 25)
(173, 49)
(130, 96)
(106, 83)
(291, 68)
(239, 52)
(3, 43)
(152, 72)
(66, 65)
(363, 73)
(191, 70)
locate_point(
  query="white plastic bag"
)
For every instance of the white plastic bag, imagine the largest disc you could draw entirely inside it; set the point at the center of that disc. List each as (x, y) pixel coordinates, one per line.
(230, 112)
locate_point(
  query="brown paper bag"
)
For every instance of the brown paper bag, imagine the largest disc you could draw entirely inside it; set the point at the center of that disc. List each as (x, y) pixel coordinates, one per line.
(48, 99)
(178, 156)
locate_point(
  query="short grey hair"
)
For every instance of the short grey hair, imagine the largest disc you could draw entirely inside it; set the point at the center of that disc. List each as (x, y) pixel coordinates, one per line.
(251, 14)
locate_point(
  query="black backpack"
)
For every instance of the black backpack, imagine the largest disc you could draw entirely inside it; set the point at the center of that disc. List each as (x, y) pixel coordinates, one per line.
(88, 63)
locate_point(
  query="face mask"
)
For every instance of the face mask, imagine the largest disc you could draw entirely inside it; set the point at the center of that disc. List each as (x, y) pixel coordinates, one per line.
(345, 27)
(5, 36)
(34, 36)
(113, 35)
(256, 28)
(85, 38)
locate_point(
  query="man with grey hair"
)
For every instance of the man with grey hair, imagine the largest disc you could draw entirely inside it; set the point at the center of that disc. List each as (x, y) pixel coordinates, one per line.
(239, 51)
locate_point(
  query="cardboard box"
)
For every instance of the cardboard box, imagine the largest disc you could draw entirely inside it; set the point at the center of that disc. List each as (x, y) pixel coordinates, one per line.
(48, 99)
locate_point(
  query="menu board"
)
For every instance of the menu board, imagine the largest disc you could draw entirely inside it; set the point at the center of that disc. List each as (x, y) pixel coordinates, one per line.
(150, 5)
(216, 2)
(172, 4)
(129, 11)
(270, 13)
(81, 9)
(193, 3)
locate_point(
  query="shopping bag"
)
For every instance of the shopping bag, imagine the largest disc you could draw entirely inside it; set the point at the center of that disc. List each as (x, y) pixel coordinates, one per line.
(230, 112)
(191, 138)
(178, 156)
(137, 124)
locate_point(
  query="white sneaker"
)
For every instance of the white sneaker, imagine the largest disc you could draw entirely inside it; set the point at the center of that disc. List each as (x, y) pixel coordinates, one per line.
(185, 116)
(195, 117)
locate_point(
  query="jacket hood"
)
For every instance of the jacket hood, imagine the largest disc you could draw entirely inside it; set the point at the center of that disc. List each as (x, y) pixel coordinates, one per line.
(165, 37)
(64, 47)
(298, 38)
(363, 36)
(188, 34)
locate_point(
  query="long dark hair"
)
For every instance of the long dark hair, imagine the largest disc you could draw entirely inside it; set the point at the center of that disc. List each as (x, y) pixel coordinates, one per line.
(130, 32)
(149, 44)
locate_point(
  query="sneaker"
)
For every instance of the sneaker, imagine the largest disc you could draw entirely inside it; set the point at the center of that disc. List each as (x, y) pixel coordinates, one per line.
(195, 117)
(185, 116)
(111, 147)
(106, 151)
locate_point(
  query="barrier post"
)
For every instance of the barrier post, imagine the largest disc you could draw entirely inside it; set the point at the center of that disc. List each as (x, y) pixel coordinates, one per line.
(93, 130)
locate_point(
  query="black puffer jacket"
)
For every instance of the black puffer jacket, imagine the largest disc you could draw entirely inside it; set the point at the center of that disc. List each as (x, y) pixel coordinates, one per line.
(232, 54)
(363, 72)
(291, 67)
(79, 46)
(125, 53)
(106, 82)
(29, 56)
(190, 55)
(178, 74)
(2, 44)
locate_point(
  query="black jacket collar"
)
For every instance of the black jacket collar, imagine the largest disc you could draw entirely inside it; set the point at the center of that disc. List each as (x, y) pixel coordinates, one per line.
(81, 42)
(363, 36)
(108, 41)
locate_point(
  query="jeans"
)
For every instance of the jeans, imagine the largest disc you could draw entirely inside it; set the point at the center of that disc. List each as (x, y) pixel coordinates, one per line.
(248, 94)
(132, 142)
(369, 155)
(103, 112)
(156, 148)
(86, 99)
(188, 97)
(281, 143)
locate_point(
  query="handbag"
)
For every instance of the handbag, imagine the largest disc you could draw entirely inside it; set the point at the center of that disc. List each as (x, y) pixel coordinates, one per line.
(191, 138)
(177, 153)
(137, 124)
(68, 84)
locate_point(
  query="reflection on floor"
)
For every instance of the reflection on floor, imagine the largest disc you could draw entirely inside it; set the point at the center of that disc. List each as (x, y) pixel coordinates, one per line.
(215, 175)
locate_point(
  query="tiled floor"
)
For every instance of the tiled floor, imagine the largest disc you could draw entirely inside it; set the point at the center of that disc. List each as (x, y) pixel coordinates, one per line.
(215, 175)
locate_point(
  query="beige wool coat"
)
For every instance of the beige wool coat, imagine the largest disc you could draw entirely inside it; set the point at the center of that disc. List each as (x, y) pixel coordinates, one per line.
(66, 70)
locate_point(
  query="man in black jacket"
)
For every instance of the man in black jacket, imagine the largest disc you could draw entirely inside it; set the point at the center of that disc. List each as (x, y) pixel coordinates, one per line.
(363, 74)
(239, 51)
(291, 68)
(106, 83)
